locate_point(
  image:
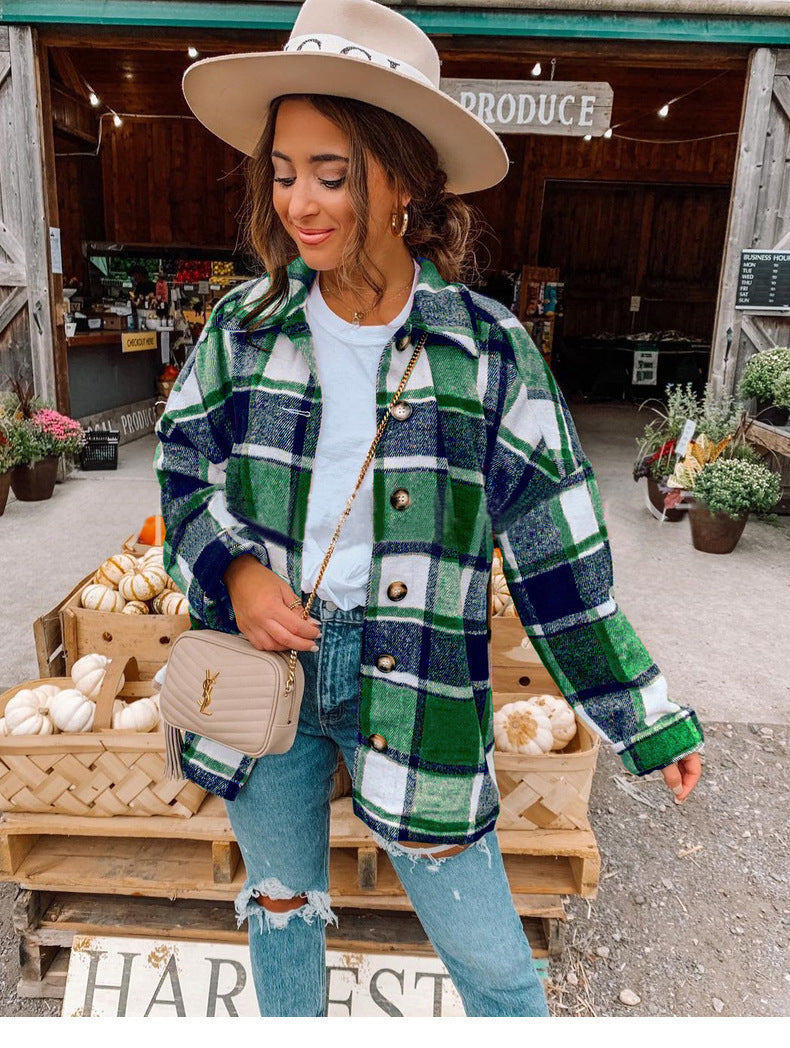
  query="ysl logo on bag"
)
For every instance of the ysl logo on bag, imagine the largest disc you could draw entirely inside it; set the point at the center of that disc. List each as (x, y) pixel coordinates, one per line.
(208, 691)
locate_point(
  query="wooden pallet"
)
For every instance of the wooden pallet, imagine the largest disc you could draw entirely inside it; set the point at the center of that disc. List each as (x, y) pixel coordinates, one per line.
(198, 858)
(46, 923)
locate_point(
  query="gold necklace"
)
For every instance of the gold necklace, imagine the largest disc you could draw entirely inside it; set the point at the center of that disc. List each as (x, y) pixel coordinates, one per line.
(357, 316)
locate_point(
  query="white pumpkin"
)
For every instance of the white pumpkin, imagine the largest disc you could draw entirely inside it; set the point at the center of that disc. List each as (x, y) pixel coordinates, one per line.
(44, 692)
(135, 607)
(140, 715)
(144, 583)
(88, 674)
(72, 711)
(155, 554)
(25, 715)
(561, 716)
(169, 603)
(521, 728)
(3, 730)
(114, 568)
(500, 596)
(98, 597)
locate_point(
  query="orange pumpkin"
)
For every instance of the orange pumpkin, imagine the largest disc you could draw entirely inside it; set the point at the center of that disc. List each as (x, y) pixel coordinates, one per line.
(152, 533)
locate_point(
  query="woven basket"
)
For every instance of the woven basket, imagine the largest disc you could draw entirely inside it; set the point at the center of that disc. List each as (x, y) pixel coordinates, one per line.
(546, 791)
(99, 773)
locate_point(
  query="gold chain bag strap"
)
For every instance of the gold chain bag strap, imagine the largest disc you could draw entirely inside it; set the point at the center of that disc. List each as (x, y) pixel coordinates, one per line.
(218, 686)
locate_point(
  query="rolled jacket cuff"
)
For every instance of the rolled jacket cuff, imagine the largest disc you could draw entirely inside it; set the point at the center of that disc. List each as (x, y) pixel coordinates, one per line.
(664, 746)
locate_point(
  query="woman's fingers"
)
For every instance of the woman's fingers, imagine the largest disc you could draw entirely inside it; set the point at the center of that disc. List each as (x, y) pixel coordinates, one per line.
(682, 776)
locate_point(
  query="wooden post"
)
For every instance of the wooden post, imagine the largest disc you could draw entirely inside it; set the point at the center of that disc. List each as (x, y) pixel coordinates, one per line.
(24, 216)
(759, 215)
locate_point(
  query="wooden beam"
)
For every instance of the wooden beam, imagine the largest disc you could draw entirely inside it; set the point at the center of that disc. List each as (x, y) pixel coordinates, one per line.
(625, 53)
(3, 38)
(60, 360)
(13, 303)
(782, 93)
(756, 333)
(72, 117)
(755, 118)
(67, 72)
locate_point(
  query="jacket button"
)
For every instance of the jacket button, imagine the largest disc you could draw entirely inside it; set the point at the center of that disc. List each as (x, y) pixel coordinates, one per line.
(401, 411)
(385, 663)
(397, 590)
(400, 499)
(378, 742)
(403, 343)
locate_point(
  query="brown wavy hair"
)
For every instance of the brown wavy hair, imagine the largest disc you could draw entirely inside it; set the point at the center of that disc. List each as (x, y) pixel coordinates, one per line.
(440, 223)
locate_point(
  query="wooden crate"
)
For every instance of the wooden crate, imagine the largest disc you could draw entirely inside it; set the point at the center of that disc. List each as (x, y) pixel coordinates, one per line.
(198, 858)
(547, 790)
(148, 637)
(46, 923)
(515, 668)
(95, 774)
(69, 631)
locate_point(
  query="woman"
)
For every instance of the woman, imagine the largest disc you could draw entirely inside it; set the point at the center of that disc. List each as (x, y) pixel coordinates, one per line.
(261, 443)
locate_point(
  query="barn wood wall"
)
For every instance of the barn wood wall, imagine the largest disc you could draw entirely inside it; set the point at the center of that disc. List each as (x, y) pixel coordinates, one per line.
(518, 216)
(170, 182)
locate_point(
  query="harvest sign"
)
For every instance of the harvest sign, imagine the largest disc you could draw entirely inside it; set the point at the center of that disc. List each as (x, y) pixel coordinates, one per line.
(521, 107)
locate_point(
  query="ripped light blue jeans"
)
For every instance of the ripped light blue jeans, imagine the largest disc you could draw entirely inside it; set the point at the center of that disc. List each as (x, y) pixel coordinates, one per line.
(281, 822)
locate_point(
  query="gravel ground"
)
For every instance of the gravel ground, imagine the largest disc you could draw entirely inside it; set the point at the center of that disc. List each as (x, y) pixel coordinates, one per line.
(693, 912)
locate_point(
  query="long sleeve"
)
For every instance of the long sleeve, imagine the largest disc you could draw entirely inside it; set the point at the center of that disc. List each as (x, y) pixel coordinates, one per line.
(547, 516)
(196, 435)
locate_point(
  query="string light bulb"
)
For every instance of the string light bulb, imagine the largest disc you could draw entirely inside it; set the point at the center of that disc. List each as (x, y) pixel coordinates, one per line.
(116, 120)
(536, 69)
(192, 52)
(664, 110)
(94, 99)
(588, 138)
(607, 133)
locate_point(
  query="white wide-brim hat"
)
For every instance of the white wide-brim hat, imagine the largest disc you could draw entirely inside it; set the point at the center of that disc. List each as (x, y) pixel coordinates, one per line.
(352, 49)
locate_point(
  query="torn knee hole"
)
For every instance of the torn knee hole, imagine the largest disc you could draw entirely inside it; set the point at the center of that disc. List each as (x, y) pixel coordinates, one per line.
(281, 905)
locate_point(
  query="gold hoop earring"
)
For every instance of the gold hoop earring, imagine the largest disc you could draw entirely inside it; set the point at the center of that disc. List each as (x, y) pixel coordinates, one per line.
(399, 224)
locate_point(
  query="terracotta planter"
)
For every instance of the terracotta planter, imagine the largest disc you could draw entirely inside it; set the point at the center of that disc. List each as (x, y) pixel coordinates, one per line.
(715, 532)
(770, 414)
(5, 484)
(656, 498)
(36, 482)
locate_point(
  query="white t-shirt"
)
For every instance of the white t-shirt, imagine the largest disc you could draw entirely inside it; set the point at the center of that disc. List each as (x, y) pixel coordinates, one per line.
(348, 359)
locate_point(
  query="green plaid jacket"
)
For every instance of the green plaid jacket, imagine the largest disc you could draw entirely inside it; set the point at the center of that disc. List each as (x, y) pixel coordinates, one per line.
(488, 449)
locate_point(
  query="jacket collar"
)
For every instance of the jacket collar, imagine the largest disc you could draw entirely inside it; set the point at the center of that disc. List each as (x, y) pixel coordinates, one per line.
(445, 311)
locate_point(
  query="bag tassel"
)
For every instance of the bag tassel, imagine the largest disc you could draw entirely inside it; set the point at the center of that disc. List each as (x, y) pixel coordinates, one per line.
(174, 740)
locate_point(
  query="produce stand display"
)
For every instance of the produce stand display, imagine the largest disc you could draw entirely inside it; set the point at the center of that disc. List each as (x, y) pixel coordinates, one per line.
(154, 875)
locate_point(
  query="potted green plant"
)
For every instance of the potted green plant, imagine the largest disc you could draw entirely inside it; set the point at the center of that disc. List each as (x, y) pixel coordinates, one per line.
(39, 436)
(716, 417)
(725, 493)
(8, 459)
(759, 377)
(43, 439)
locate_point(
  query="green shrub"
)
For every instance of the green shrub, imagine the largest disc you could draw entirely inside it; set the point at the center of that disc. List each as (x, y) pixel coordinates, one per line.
(736, 486)
(782, 390)
(761, 372)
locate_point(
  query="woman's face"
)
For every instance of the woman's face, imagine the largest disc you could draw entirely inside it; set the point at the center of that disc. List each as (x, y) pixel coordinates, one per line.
(310, 158)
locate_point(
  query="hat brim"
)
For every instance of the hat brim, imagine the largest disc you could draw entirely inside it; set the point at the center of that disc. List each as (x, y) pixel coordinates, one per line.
(231, 94)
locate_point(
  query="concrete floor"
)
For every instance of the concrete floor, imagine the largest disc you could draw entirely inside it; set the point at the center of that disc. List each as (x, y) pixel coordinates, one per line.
(716, 625)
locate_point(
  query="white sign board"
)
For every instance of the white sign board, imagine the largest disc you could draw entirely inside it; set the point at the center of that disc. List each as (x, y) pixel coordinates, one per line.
(145, 978)
(54, 249)
(534, 107)
(645, 372)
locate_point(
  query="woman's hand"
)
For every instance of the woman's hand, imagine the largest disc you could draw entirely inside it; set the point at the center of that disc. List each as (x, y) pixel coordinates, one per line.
(260, 602)
(683, 775)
